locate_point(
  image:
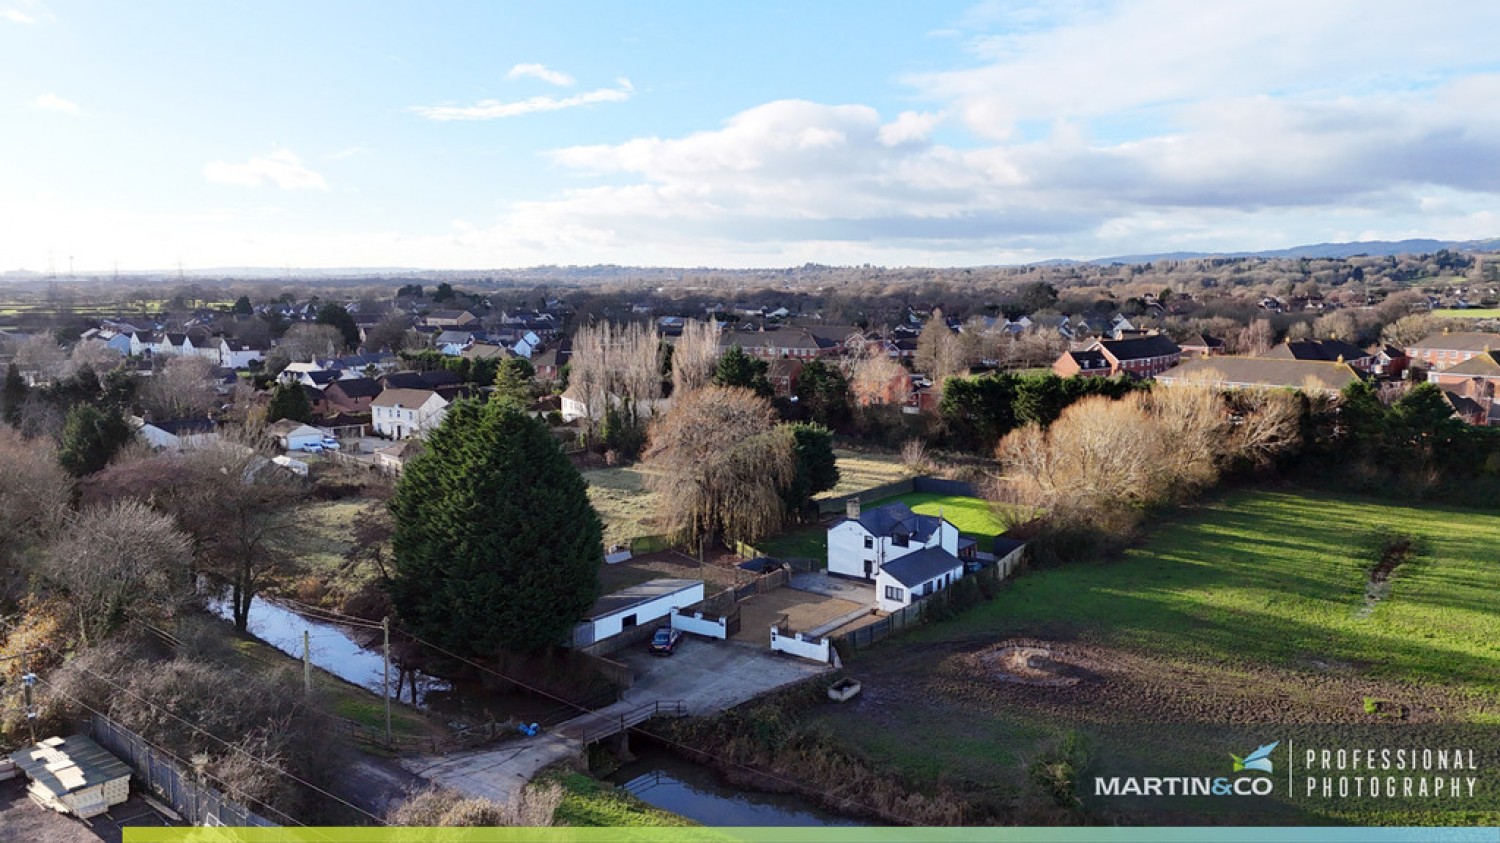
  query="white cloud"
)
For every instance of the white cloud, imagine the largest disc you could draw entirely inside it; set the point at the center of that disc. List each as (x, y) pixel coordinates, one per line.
(53, 102)
(280, 168)
(496, 109)
(542, 72)
(16, 16)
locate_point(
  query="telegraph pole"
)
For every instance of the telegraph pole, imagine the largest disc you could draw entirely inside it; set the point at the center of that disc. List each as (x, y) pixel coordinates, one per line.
(385, 627)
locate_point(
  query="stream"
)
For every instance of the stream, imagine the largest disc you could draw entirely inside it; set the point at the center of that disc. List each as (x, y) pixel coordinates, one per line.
(655, 777)
(695, 792)
(337, 650)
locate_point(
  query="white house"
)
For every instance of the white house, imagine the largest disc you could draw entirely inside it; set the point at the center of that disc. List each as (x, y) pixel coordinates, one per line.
(234, 354)
(864, 543)
(292, 435)
(637, 605)
(399, 413)
(176, 434)
(903, 580)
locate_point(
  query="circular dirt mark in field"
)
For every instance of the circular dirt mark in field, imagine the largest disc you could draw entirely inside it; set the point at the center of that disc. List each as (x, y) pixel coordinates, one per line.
(1031, 663)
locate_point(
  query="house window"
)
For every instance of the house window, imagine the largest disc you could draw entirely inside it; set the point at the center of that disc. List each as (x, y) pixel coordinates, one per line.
(869, 541)
(627, 622)
(900, 540)
(894, 593)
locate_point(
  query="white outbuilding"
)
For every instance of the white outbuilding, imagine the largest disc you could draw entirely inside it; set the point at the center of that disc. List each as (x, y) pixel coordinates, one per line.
(635, 606)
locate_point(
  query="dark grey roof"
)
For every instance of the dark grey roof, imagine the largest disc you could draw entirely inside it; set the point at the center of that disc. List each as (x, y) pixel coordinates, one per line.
(357, 387)
(639, 595)
(1312, 349)
(1089, 359)
(421, 380)
(180, 427)
(913, 569)
(91, 764)
(897, 518)
(1137, 348)
(1005, 546)
(322, 378)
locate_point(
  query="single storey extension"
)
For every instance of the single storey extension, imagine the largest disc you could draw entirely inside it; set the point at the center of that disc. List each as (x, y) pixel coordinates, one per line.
(635, 606)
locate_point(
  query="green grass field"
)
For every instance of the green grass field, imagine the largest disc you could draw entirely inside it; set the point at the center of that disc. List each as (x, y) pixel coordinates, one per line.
(1280, 578)
(1468, 313)
(860, 470)
(620, 497)
(973, 517)
(1252, 608)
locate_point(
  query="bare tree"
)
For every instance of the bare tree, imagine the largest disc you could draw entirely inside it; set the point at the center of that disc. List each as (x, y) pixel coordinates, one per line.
(181, 389)
(94, 354)
(532, 806)
(237, 499)
(1412, 329)
(718, 464)
(1255, 338)
(230, 498)
(940, 352)
(117, 559)
(34, 493)
(390, 333)
(42, 355)
(306, 341)
(616, 363)
(875, 378)
(694, 356)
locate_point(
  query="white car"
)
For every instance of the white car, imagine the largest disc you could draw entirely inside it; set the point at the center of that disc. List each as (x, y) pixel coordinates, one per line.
(330, 444)
(312, 447)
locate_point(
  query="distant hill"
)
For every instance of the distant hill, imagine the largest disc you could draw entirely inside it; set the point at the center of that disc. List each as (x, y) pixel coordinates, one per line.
(1375, 248)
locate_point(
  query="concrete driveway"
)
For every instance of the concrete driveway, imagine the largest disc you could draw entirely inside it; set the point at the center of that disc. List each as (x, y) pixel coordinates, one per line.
(707, 676)
(819, 582)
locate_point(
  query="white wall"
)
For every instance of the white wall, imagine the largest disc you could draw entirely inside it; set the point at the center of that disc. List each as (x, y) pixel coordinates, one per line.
(646, 613)
(797, 645)
(699, 625)
(911, 594)
(846, 549)
(847, 552)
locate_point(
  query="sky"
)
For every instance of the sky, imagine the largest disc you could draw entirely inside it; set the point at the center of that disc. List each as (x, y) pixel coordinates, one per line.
(447, 135)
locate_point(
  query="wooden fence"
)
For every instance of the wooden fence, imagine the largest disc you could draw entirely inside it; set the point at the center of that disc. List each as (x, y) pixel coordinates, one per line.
(916, 613)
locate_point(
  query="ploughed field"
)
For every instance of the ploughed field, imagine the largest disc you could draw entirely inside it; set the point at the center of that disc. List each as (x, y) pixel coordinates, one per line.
(1257, 610)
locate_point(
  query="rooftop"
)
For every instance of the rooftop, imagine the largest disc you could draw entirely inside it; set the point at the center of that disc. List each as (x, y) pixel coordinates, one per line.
(639, 595)
(913, 569)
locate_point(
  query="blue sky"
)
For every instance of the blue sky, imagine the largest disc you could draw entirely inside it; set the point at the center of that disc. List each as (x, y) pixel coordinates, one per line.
(470, 135)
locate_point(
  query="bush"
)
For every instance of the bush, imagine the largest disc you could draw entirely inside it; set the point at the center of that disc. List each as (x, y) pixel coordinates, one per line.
(1056, 771)
(532, 806)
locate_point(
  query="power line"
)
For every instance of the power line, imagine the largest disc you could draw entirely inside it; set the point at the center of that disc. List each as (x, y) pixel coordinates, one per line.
(668, 741)
(127, 692)
(338, 617)
(180, 762)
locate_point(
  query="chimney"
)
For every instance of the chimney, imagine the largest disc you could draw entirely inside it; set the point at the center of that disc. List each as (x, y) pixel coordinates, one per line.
(851, 508)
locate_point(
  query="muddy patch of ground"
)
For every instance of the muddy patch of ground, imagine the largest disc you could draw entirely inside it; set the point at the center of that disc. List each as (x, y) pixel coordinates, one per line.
(1084, 681)
(1031, 664)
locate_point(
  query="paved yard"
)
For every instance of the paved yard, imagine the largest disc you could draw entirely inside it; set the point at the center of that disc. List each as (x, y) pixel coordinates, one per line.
(24, 820)
(792, 610)
(821, 582)
(707, 676)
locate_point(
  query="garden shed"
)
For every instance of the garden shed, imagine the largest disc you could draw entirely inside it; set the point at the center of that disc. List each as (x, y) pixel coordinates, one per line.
(74, 775)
